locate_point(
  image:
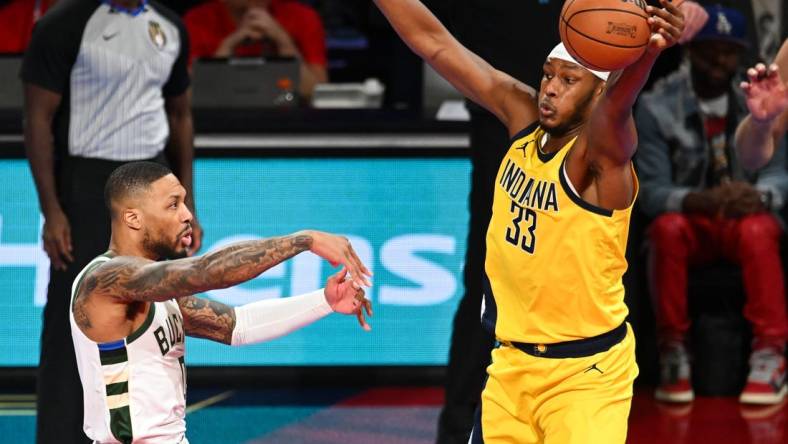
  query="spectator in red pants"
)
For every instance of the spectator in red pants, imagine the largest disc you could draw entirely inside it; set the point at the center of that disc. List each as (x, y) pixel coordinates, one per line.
(706, 207)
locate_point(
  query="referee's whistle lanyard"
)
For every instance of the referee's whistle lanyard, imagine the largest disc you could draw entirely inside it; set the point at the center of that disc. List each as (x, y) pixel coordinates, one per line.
(132, 12)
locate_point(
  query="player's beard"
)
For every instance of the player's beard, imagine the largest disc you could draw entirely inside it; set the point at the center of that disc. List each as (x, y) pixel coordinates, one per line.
(161, 247)
(576, 119)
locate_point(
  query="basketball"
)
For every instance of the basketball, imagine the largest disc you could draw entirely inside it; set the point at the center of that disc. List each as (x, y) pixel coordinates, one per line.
(604, 35)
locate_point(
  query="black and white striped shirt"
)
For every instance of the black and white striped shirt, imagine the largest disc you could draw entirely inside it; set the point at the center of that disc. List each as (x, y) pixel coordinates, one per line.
(113, 67)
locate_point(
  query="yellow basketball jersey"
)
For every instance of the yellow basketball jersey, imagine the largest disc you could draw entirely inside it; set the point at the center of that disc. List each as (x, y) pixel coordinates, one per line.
(554, 262)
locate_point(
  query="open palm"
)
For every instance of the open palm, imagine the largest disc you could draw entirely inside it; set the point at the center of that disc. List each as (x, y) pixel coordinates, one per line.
(346, 298)
(766, 93)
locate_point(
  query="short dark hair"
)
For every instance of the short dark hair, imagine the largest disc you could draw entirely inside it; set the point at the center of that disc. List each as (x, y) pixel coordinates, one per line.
(131, 178)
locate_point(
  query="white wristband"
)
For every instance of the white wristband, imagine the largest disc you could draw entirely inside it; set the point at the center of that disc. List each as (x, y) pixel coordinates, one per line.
(272, 318)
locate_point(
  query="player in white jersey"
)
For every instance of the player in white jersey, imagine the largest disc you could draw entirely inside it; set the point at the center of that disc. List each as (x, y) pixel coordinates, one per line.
(132, 307)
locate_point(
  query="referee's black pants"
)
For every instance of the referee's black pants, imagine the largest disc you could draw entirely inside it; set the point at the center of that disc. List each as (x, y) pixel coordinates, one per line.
(81, 192)
(470, 344)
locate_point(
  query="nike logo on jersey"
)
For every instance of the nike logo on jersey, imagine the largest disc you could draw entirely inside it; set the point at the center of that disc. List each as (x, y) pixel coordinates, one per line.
(593, 367)
(108, 37)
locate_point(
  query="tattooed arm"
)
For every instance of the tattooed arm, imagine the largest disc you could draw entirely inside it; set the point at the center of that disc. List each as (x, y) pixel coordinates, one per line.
(138, 279)
(268, 319)
(207, 319)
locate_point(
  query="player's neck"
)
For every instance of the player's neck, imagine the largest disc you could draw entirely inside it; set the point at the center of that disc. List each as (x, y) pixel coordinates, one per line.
(553, 143)
(126, 246)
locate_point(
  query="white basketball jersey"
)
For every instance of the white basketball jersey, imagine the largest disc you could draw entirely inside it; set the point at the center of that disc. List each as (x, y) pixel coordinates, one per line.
(134, 388)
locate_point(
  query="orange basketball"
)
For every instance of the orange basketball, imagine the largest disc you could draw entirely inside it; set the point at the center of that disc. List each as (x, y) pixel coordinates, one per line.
(604, 35)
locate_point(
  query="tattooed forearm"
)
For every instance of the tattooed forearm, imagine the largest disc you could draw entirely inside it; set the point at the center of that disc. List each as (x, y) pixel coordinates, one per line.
(243, 261)
(144, 280)
(207, 319)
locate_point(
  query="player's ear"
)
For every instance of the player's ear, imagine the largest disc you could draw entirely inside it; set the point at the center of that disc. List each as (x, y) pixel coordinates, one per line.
(132, 218)
(600, 87)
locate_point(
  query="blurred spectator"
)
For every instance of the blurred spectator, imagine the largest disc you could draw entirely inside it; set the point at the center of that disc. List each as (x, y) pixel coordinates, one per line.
(770, 27)
(17, 18)
(767, 25)
(254, 28)
(707, 207)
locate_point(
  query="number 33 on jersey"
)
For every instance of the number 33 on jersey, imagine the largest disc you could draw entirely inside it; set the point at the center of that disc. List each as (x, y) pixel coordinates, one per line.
(551, 256)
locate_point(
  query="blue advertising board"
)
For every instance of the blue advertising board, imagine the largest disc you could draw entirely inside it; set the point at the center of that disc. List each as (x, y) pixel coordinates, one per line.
(407, 218)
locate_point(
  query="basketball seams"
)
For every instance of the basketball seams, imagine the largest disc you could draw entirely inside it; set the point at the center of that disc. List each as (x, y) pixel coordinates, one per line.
(566, 7)
(572, 49)
(644, 16)
(569, 25)
(582, 60)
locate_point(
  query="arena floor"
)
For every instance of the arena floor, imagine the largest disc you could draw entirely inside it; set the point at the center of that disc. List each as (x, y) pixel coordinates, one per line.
(393, 415)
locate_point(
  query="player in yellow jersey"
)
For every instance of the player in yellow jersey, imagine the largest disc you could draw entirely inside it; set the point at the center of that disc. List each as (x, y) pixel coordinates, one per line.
(564, 369)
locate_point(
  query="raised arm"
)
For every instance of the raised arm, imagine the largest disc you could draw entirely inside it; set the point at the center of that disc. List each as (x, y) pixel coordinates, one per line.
(510, 100)
(610, 134)
(137, 279)
(767, 99)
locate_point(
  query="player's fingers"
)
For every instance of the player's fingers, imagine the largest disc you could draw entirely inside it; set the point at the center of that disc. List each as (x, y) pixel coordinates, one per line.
(672, 7)
(355, 274)
(362, 321)
(339, 276)
(332, 280)
(667, 16)
(360, 262)
(760, 69)
(368, 306)
(773, 74)
(752, 75)
(672, 33)
(660, 39)
(358, 269)
(664, 28)
(657, 40)
(745, 86)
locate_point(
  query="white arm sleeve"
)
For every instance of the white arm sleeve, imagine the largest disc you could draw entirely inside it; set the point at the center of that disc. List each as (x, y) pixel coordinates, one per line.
(272, 318)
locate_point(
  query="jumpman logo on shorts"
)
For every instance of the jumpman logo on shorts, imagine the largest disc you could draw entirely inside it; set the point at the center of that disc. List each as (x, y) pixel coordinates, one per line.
(593, 367)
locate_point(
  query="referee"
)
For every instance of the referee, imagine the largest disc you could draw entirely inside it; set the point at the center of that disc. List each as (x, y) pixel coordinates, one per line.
(106, 82)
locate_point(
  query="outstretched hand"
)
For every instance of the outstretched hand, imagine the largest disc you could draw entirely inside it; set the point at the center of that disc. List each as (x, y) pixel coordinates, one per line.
(345, 298)
(338, 250)
(766, 93)
(667, 25)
